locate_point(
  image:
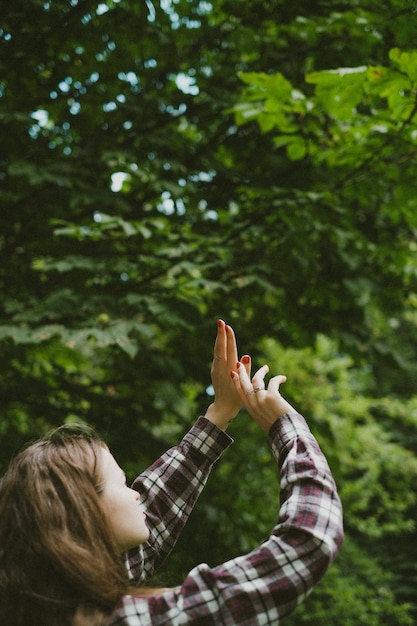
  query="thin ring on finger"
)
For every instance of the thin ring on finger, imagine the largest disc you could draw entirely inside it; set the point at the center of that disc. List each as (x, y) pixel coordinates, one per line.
(219, 358)
(255, 390)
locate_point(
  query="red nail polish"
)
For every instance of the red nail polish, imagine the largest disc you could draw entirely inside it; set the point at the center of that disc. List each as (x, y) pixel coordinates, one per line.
(245, 359)
(238, 365)
(232, 374)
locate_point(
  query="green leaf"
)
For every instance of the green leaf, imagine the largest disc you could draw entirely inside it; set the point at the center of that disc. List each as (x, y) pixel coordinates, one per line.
(296, 149)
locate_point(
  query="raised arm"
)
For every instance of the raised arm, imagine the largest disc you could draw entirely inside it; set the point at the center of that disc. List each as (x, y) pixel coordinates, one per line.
(267, 584)
(309, 500)
(170, 487)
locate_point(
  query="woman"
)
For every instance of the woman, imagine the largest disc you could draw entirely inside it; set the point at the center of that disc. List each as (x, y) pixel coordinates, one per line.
(77, 548)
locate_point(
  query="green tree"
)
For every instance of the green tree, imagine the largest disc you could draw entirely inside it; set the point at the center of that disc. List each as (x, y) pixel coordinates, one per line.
(138, 204)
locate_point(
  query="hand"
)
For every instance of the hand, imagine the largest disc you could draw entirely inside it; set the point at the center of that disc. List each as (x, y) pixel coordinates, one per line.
(227, 402)
(265, 405)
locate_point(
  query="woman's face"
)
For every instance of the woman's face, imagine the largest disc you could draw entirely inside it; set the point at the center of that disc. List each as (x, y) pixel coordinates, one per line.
(121, 505)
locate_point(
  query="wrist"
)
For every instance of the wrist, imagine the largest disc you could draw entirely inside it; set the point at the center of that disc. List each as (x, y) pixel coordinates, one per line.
(219, 417)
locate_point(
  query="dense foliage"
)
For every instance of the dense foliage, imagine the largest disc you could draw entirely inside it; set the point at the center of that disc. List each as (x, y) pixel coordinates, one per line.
(165, 164)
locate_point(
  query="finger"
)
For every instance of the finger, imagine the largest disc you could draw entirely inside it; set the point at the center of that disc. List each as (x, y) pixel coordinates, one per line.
(246, 362)
(219, 352)
(237, 383)
(231, 347)
(275, 382)
(243, 376)
(258, 378)
(245, 382)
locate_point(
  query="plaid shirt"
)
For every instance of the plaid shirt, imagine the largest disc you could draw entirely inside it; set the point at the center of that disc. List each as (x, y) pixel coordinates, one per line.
(259, 588)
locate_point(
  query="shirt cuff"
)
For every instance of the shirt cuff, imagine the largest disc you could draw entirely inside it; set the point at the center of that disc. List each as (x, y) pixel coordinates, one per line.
(208, 438)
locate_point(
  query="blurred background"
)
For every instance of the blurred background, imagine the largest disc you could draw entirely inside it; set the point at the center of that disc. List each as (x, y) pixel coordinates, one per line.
(164, 164)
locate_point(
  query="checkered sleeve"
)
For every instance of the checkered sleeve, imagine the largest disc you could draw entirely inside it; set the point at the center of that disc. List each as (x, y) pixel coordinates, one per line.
(169, 489)
(266, 585)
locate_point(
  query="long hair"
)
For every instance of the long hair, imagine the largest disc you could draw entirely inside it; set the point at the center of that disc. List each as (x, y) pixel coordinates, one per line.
(59, 561)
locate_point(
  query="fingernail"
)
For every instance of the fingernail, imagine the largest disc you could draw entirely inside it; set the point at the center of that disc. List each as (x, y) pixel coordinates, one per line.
(232, 374)
(238, 365)
(245, 359)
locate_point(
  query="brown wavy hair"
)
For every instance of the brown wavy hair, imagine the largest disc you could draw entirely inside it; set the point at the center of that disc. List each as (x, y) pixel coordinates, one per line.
(59, 561)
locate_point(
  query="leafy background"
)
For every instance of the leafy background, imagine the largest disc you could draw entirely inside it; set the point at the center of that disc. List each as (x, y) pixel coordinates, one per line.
(165, 164)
